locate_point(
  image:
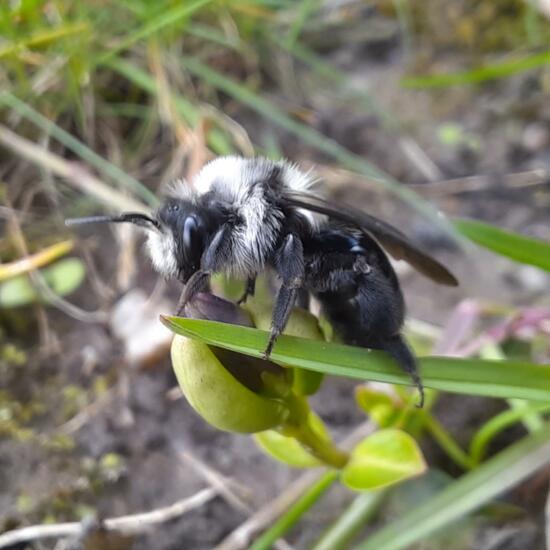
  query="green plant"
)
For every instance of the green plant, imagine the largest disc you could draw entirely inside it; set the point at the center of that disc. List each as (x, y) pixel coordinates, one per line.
(251, 395)
(526, 385)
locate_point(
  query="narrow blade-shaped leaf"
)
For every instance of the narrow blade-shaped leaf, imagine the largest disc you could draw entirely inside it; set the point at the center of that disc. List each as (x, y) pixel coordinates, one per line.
(467, 494)
(525, 250)
(471, 376)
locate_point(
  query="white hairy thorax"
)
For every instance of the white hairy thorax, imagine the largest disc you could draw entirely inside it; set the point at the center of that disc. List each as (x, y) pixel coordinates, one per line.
(232, 180)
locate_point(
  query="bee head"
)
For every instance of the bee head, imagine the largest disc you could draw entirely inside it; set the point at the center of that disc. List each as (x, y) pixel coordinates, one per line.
(185, 229)
(177, 234)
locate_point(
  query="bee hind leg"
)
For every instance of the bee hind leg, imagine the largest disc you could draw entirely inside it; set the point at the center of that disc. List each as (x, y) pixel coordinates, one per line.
(403, 356)
(286, 299)
(198, 282)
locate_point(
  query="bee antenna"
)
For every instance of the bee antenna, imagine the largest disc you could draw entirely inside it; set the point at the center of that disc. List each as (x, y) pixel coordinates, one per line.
(128, 217)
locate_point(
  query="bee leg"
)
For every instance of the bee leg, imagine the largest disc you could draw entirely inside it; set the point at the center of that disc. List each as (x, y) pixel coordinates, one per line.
(402, 355)
(286, 298)
(289, 264)
(212, 260)
(249, 290)
(197, 283)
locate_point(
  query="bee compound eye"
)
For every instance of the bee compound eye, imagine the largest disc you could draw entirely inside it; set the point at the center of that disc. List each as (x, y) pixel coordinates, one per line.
(192, 238)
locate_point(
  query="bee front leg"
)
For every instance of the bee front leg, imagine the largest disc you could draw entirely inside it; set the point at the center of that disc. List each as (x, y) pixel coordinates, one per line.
(289, 264)
(213, 259)
(198, 282)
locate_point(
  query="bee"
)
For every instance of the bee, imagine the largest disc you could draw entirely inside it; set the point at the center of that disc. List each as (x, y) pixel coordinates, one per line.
(242, 216)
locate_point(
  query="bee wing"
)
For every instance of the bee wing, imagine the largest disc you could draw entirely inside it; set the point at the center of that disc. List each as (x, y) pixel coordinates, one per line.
(395, 242)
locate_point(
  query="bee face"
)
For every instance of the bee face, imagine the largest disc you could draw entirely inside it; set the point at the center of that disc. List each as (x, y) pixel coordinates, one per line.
(185, 228)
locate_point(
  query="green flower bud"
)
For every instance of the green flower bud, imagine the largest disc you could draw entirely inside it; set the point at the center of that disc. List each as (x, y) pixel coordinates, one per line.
(238, 393)
(217, 395)
(233, 392)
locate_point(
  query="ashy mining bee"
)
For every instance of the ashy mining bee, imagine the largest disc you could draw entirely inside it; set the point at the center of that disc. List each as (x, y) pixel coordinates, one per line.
(241, 216)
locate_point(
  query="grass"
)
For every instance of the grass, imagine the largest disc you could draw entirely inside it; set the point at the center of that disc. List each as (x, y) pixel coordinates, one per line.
(479, 75)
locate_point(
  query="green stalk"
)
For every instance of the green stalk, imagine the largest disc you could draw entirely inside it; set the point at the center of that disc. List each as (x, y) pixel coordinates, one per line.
(164, 19)
(293, 514)
(480, 442)
(361, 510)
(321, 449)
(306, 9)
(482, 74)
(531, 419)
(447, 443)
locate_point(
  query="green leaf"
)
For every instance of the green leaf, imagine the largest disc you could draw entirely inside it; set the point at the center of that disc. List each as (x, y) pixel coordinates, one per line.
(467, 494)
(287, 449)
(378, 405)
(166, 18)
(351, 521)
(295, 512)
(384, 458)
(525, 250)
(471, 376)
(63, 277)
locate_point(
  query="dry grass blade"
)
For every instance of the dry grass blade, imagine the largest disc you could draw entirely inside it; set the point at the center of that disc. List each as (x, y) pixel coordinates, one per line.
(44, 289)
(72, 172)
(217, 481)
(104, 167)
(224, 487)
(125, 525)
(35, 261)
(481, 183)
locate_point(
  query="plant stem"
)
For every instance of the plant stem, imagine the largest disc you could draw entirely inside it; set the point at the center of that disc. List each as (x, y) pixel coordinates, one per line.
(447, 443)
(293, 515)
(497, 424)
(320, 448)
(358, 513)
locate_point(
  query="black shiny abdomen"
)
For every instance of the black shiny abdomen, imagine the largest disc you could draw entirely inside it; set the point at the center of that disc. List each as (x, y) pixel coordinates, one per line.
(352, 278)
(359, 292)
